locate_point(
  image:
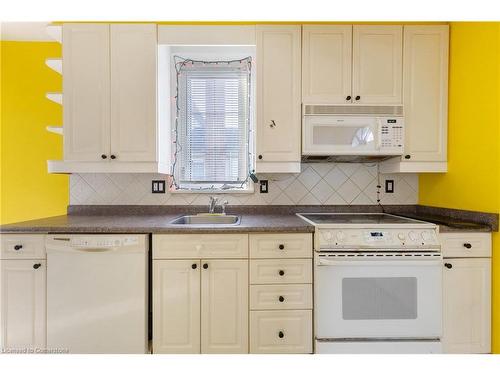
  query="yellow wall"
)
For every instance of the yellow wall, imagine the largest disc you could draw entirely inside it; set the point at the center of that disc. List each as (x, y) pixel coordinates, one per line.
(27, 190)
(473, 179)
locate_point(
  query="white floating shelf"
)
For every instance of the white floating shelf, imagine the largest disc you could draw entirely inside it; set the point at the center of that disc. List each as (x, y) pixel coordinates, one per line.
(55, 129)
(67, 167)
(54, 64)
(56, 97)
(55, 32)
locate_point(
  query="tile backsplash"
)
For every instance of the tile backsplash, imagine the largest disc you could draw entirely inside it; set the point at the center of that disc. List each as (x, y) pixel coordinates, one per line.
(321, 183)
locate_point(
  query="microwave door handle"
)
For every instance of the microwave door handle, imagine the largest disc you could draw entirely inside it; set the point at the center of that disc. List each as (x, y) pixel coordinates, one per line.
(379, 134)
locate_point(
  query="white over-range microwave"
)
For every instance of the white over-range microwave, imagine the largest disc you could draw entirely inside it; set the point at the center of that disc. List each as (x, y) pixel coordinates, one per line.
(352, 133)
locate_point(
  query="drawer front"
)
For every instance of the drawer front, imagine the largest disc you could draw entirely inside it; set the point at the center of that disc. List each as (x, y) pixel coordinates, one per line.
(281, 297)
(195, 246)
(23, 246)
(285, 245)
(468, 245)
(281, 331)
(281, 271)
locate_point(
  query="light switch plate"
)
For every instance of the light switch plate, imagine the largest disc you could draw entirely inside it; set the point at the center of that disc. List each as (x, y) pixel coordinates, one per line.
(158, 187)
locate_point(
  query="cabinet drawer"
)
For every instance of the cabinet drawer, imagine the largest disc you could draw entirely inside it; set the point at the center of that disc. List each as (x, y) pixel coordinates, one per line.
(281, 271)
(23, 246)
(281, 331)
(457, 245)
(291, 245)
(281, 297)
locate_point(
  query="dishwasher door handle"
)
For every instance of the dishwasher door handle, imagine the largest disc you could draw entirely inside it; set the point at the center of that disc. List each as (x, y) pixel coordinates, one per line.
(380, 263)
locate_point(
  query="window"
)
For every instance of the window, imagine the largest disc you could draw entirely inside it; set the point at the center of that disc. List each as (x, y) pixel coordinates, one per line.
(212, 124)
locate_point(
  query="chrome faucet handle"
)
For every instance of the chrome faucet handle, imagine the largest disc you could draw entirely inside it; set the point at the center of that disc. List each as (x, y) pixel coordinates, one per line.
(223, 205)
(212, 203)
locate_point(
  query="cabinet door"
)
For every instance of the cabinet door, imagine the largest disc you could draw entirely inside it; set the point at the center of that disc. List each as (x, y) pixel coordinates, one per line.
(176, 306)
(224, 306)
(377, 64)
(133, 92)
(326, 64)
(278, 94)
(23, 296)
(86, 92)
(425, 98)
(467, 306)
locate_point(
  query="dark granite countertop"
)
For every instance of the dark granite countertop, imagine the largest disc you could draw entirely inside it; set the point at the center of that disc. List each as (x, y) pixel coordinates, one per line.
(156, 219)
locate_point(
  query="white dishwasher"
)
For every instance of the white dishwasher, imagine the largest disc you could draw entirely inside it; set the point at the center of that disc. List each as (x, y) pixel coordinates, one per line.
(97, 293)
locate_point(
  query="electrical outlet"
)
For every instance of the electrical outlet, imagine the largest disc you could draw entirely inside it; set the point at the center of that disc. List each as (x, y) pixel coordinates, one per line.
(264, 187)
(389, 186)
(158, 187)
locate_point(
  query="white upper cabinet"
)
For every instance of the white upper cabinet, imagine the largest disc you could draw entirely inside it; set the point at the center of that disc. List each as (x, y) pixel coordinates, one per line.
(278, 98)
(133, 92)
(110, 100)
(86, 77)
(425, 100)
(326, 64)
(377, 64)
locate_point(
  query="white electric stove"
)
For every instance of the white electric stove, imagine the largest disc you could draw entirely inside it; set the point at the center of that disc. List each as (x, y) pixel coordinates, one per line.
(377, 284)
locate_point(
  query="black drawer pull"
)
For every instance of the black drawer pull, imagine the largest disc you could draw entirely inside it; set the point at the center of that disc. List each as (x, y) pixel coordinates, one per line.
(205, 266)
(37, 266)
(467, 245)
(281, 299)
(281, 247)
(18, 247)
(281, 272)
(194, 266)
(448, 265)
(281, 334)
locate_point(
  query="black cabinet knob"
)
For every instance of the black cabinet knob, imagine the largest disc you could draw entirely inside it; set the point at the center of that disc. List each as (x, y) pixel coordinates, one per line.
(37, 266)
(18, 247)
(104, 156)
(260, 157)
(467, 245)
(281, 247)
(194, 266)
(281, 299)
(281, 334)
(407, 156)
(348, 97)
(113, 157)
(205, 266)
(281, 272)
(357, 97)
(448, 265)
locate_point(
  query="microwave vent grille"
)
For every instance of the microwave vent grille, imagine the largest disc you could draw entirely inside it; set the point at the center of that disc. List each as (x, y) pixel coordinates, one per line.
(379, 110)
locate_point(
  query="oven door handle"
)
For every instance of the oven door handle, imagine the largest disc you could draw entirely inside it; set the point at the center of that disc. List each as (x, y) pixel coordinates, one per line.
(377, 262)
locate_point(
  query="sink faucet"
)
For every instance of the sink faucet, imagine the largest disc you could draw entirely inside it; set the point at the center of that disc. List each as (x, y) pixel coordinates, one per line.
(212, 204)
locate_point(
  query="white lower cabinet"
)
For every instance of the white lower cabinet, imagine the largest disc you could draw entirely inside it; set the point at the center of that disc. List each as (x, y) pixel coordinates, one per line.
(199, 305)
(466, 292)
(23, 304)
(281, 331)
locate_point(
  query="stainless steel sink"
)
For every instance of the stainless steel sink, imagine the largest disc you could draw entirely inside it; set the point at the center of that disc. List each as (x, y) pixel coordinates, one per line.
(207, 220)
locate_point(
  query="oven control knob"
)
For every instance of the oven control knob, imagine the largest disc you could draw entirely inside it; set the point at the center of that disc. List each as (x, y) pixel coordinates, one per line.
(401, 236)
(426, 236)
(328, 236)
(412, 236)
(340, 236)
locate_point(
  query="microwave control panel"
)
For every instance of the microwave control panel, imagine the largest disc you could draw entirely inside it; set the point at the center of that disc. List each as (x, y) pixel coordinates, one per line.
(391, 133)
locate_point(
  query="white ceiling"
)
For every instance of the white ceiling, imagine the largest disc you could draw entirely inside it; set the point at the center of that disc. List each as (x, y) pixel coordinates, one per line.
(24, 31)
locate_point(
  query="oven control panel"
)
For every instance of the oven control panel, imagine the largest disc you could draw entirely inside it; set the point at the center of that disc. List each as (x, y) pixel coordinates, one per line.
(376, 238)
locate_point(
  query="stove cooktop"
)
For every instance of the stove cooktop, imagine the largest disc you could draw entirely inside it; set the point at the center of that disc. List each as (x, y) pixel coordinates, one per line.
(349, 218)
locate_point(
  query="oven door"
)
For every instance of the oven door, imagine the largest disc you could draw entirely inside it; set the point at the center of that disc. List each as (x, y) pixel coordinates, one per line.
(378, 296)
(340, 135)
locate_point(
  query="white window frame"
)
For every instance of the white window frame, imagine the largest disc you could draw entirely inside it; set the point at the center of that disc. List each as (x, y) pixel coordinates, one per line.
(213, 53)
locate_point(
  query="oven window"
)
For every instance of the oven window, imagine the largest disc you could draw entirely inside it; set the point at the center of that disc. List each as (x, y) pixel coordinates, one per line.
(379, 298)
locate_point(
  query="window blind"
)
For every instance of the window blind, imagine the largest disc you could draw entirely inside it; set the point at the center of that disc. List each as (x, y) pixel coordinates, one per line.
(213, 113)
